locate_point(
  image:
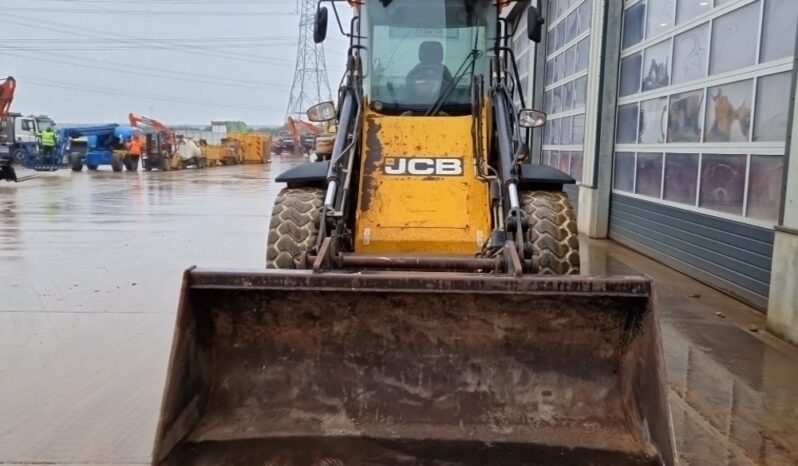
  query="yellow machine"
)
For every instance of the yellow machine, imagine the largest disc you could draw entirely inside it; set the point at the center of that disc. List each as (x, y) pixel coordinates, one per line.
(256, 147)
(421, 302)
(229, 152)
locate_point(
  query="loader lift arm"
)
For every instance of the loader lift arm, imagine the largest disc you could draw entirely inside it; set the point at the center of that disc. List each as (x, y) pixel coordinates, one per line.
(7, 89)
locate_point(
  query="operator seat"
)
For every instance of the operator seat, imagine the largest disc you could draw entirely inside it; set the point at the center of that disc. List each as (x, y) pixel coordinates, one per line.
(430, 56)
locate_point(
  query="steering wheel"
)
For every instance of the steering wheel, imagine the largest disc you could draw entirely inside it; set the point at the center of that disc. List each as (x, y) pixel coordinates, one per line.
(425, 82)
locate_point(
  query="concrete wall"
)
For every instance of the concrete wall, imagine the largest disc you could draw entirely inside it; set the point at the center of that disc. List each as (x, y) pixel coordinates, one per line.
(783, 305)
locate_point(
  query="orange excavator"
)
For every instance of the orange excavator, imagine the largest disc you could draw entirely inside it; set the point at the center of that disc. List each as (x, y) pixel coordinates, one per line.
(304, 135)
(160, 144)
(7, 88)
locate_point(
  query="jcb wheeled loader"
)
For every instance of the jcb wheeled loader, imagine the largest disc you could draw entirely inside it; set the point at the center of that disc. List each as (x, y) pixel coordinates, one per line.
(421, 303)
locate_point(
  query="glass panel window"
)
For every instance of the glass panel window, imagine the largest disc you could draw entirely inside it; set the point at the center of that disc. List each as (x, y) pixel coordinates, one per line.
(765, 187)
(556, 103)
(690, 52)
(548, 108)
(624, 171)
(565, 162)
(772, 107)
(687, 9)
(585, 15)
(649, 175)
(684, 117)
(633, 21)
(722, 182)
(555, 132)
(570, 60)
(547, 134)
(630, 75)
(559, 68)
(576, 165)
(578, 132)
(565, 131)
(570, 27)
(652, 121)
(568, 96)
(734, 38)
(554, 161)
(660, 16)
(562, 5)
(729, 112)
(551, 41)
(627, 124)
(580, 93)
(681, 178)
(546, 158)
(655, 66)
(559, 37)
(779, 27)
(582, 54)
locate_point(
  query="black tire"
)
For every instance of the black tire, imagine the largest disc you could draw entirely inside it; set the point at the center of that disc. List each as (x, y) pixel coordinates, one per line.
(92, 167)
(116, 164)
(294, 226)
(77, 166)
(164, 164)
(18, 156)
(553, 236)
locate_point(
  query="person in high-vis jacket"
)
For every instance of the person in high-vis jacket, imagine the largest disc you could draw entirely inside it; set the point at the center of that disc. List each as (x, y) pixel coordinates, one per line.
(134, 150)
(49, 141)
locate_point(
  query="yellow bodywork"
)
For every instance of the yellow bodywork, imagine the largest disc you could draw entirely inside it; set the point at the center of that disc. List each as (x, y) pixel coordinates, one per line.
(257, 147)
(413, 198)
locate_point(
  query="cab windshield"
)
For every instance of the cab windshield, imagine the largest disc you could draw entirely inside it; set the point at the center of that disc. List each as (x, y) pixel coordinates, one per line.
(425, 52)
(45, 123)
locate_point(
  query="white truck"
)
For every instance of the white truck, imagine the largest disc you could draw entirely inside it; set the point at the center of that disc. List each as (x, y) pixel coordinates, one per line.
(27, 133)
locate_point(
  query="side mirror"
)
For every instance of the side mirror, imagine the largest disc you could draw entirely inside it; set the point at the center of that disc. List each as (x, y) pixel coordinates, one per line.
(531, 118)
(535, 24)
(320, 29)
(324, 111)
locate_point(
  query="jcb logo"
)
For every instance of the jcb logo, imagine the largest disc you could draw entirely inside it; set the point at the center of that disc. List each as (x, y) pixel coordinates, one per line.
(423, 166)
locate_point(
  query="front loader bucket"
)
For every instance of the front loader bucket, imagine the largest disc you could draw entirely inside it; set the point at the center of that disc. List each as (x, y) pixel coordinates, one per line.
(294, 368)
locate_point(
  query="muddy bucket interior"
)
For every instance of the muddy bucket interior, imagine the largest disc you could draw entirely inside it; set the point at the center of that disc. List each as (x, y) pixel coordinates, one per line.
(292, 368)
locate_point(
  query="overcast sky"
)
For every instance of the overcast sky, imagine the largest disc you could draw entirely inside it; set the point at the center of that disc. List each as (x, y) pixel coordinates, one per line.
(80, 66)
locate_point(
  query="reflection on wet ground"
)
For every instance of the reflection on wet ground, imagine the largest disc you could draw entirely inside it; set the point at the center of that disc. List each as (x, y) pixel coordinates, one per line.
(90, 267)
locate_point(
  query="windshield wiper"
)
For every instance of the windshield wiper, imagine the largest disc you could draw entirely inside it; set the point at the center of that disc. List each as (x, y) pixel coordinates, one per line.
(469, 62)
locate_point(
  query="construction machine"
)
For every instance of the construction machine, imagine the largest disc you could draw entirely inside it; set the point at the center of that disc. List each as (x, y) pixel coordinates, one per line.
(160, 143)
(104, 145)
(421, 302)
(304, 135)
(7, 89)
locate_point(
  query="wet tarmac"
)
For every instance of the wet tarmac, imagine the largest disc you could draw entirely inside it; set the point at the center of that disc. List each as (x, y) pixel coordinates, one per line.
(90, 266)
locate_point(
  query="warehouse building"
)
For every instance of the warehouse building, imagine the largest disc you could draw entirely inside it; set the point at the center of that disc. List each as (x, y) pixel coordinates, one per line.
(676, 119)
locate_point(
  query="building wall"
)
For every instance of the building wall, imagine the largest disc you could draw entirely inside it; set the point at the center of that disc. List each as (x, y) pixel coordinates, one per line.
(696, 96)
(783, 305)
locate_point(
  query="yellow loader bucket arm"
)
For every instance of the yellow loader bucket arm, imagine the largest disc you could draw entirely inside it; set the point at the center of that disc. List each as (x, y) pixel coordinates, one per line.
(394, 368)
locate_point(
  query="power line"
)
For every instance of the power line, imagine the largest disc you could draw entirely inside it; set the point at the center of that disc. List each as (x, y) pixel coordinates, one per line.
(89, 11)
(67, 29)
(165, 74)
(250, 39)
(138, 47)
(175, 2)
(125, 93)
